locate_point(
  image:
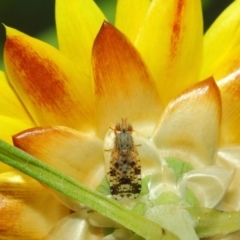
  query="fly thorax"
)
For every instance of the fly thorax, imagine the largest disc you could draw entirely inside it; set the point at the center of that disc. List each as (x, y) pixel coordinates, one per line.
(124, 142)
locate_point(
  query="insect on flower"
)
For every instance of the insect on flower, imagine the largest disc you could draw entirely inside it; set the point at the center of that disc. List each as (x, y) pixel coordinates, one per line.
(125, 168)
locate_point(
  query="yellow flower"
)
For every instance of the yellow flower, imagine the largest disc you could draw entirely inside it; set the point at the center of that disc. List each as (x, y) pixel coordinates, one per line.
(136, 79)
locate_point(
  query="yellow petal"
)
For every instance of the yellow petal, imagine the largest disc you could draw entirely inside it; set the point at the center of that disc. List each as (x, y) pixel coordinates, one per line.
(75, 227)
(170, 42)
(76, 154)
(78, 23)
(228, 65)
(130, 15)
(48, 83)
(10, 105)
(13, 116)
(10, 126)
(5, 168)
(123, 85)
(189, 127)
(221, 38)
(27, 209)
(6, 135)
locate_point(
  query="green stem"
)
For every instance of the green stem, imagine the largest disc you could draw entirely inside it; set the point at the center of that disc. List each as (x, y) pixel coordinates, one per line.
(73, 189)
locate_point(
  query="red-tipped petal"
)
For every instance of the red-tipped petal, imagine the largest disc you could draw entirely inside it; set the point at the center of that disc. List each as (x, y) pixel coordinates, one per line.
(51, 87)
(78, 155)
(123, 86)
(27, 209)
(189, 128)
(74, 153)
(228, 73)
(230, 91)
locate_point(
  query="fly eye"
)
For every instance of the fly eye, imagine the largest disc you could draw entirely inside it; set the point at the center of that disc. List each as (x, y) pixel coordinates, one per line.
(117, 127)
(130, 128)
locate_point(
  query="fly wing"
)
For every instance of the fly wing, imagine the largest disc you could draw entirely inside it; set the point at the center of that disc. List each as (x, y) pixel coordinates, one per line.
(125, 175)
(135, 173)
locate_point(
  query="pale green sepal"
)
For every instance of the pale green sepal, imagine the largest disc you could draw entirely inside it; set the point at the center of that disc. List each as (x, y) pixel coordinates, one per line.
(108, 231)
(135, 237)
(212, 222)
(191, 198)
(174, 218)
(167, 198)
(73, 189)
(140, 208)
(145, 187)
(121, 233)
(180, 167)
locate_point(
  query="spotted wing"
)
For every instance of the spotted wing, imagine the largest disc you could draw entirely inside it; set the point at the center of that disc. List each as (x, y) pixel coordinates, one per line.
(125, 174)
